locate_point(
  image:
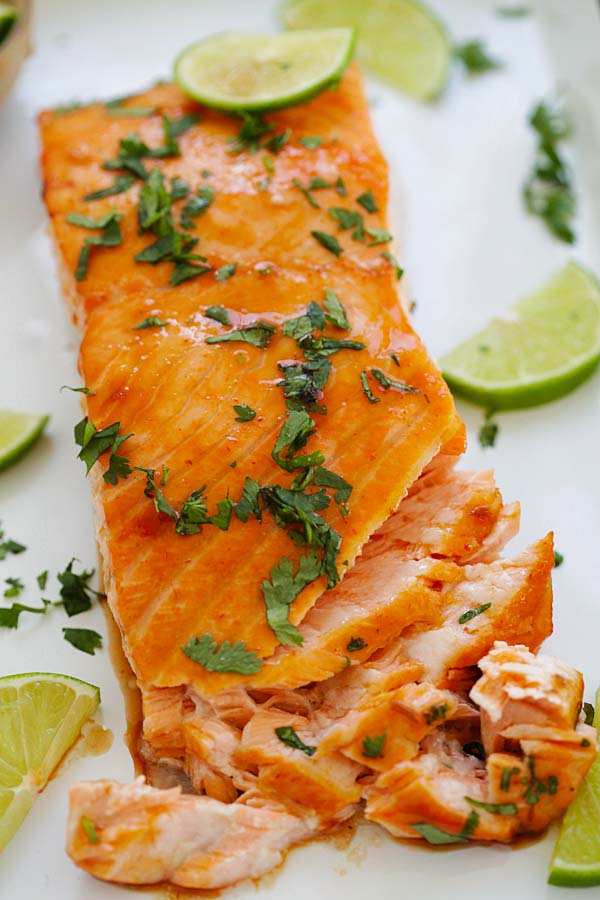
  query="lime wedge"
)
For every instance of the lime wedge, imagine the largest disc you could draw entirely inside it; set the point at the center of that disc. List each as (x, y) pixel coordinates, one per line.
(240, 71)
(8, 17)
(41, 716)
(400, 41)
(576, 858)
(544, 346)
(18, 433)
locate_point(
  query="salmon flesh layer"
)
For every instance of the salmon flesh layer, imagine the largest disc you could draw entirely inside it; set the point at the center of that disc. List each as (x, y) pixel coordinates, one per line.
(310, 594)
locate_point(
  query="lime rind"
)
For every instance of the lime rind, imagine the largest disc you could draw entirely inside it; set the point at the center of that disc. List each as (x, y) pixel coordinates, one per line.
(18, 433)
(576, 857)
(546, 346)
(401, 42)
(237, 71)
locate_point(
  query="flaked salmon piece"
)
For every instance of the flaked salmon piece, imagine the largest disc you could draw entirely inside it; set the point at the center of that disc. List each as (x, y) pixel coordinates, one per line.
(446, 790)
(325, 789)
(175, 393)
(163, 711)
(518, 687)
(211, 747)
(519, 591)
(145, 835)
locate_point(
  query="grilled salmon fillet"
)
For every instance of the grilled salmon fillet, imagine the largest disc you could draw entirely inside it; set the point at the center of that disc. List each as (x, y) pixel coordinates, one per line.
(272, 460)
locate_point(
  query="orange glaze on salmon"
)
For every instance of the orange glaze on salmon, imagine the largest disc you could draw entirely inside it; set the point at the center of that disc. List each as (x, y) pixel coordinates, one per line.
(373, 703)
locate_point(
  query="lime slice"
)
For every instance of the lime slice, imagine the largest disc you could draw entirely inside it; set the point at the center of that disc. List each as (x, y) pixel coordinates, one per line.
(544, 346)
(400, 41)
(239, 71)
(8, 17)
(576, 858)
(41, 716)
(18, 433)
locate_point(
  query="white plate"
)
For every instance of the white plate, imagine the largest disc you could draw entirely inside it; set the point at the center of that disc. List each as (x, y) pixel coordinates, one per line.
(469, 249)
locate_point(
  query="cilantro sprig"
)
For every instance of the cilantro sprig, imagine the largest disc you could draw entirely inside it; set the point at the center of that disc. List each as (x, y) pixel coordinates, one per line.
(95, 443)
(228, 657)
(549, 191)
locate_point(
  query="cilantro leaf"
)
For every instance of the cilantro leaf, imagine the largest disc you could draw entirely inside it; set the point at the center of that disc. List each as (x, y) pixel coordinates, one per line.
(259, 334)
(197, 205)
(78, 390)
(179, 188)
(471, 613)
(90, 830)
(317, 347)
(155, 201)
(249, 502)
(161, 504)
(367, 388)
(282, 589)
(558, 559)
(294, 435)
(341, 187)
(311, 143)
(349, 218)
(435, 835)
(475, 57)
(386, 383)
(75, 593)
(335, 312)
(379, 235)
(303, 383)
(94, 443)
(224, 273)
(42, 580)
(244, 412)
(9, 617)
(9, 546)
(184, 270)
(194, 513)
(372, 747)
(303, 325)
(120, 185)
(15, 587)
(326, 478)
(150, 322)
(278, 141)
(489, 430)
(227, 658)
(355, 644)
(287, 735)
(222, 518)
(83, 639)
(500, 809)
(253, 128)
(367, 201)
(219, 314)
(549, 192)
(306, 192)
(399, 271)
(111, 236)
(328, 241)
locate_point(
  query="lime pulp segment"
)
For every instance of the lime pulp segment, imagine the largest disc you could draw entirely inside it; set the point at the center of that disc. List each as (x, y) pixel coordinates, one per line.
(542, 348)
(41, 716)
(241, 71)
(576, 858)
(18, 433)
(400, 41)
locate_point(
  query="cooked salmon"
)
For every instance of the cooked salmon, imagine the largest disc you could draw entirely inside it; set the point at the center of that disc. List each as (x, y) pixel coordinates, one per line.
(306, 586)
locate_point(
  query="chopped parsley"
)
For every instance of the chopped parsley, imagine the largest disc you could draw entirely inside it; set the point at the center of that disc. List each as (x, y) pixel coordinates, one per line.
(471, 613)
(287, 735)
(94, 443)
(367, 201)
(9, 546)
(110, 237)
(83, 639)
(328, 241)
(394, 263)
(219, 314)
(558, 559)
(435, 835)
(76, 595)
(120, 185)
(355, 644)
(489, 430)
(549, 192)
(500, 809)
(282, 589)
(259, 334)
(150, 322)
(224, 273)
(244, 412)
(372, 747)
(475, 58)
(236, 657)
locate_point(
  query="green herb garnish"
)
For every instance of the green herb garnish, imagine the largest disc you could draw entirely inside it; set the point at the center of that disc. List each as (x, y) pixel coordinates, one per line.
(394, 263)
(110, 237)
(94, 443)
(288, 736)
(9, 546)
(367, 201)
(83, 639)
(355, 644)
(236, 657)
(224, 273)
(15, 587)
(471, 613)
(549, 192)
(435, 835)
(489, 430)
(90, 830)
(500, 809)
(76, 595)
(436, 713)
(282, 589)
(120, 185)
(475, 58)
(558, 559)
(328, 241)
(150, 322)
(196, 205)
(373, 746)
(311, 143)
(219, 314)
(244, 412)
(259, 334)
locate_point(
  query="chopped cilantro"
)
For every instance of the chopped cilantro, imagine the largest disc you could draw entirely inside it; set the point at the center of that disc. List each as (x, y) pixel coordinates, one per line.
(318, 347)
(328, 241)
(235, 657)
(244, 412)
(278, 141)
(355, 644)
(78, 390)
(9, 617)
(348, 218)
(15, 587)
(249, 502)
(252, 130)
(196, 205)
(90, 830)
(120, 185)
(9, 546)
(367, 201)
(83, 639)
(475, 57)
(500, 809)
(282, 589)
(94, 443)
(335, 312)
(435, 835)
(471, 613)
(505, 779)
(111, 236)
(219, 314)
(224, 273)
(341, 187)
(489, 430)
(294, 435)
(76, 595)
(436, 713)
(379, 235)
(394, 263)
(549, 192)
(373, 746)
(303, 383)
(311, 143)
(535, 787)
(367, 389)
(386, 383)
(306, 192)
(588, 710)
(558, 559)
(179, 188)
(42, 580)
(150, 322)
(288, 736)
(259, 334)
(161, 504)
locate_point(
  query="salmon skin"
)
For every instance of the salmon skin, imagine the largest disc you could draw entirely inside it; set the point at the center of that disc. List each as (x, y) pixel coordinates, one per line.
(306, 587)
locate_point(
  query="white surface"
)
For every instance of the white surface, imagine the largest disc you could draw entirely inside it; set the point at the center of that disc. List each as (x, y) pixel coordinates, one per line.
(469, 250)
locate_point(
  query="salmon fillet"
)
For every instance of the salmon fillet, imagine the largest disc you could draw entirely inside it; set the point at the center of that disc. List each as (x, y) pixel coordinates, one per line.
(352, 567)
